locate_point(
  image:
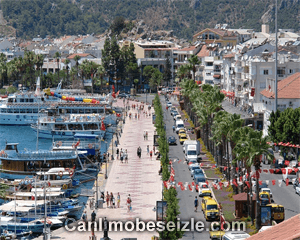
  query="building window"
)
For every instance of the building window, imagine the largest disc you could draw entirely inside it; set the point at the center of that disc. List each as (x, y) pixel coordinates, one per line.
(209, 64)
(291, 71)
(262, 85)
(281, 107)
(266, 72)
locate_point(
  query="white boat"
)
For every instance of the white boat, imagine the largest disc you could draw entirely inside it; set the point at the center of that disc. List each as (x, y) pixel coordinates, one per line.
(19, 165)
(65, 127)
(23, 108)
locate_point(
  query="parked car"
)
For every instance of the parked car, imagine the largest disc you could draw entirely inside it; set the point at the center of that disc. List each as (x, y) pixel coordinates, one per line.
(296, 183)
(195, 171)
(172, 140)
(182, 138)
(200, 178)
(264, 198)
(267, 190)
(124, 95)
(297, 190)
(192, 162)
(181, 132)
(169, 104)
(202, 186)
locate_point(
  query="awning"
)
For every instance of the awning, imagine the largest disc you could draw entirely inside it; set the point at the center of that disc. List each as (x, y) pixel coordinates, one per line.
(217, 76)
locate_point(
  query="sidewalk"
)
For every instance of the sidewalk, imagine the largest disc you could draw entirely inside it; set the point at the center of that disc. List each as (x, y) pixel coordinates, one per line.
(138, 177)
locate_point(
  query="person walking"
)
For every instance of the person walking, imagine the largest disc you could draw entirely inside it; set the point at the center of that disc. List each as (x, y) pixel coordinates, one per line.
(113, 202)
(118, 200)
(126, 156)
(122, 156)
(146, 135)
(111, 199)
(118, 153)
(173, 128)
(107, 199)
(151, 154)
(196, 203)
(147, 149)
(93, 216)
(84, 218)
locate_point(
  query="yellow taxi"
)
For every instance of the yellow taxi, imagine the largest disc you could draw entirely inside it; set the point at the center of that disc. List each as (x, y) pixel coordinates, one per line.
(216, 232)
(211, 210)
(203, 202)
(206, 192)
(277, 212)
(264, 198)
(182, 138)
(181, 132)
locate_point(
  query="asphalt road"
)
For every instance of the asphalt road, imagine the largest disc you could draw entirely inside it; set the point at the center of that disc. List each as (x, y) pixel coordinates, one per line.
(284, 195)
(182, 174)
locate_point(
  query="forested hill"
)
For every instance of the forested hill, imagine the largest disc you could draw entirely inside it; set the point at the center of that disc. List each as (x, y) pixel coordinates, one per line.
(58, 17)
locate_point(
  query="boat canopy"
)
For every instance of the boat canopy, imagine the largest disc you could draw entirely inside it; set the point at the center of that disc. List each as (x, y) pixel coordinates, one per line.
(82, 135)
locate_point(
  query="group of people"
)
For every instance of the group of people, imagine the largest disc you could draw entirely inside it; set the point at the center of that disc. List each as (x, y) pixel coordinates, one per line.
(111, 201)
(122, 154)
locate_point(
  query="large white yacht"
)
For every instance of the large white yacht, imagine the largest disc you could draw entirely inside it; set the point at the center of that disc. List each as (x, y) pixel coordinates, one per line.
(23, 108)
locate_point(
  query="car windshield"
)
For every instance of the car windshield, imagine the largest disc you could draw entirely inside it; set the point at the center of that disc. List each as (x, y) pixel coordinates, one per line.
(183, 137)
(191, 153)
(206, 194)
(198, 171)
(278, 209)
(195, 168)
(180, 125)
(212, 207)
(264, 196)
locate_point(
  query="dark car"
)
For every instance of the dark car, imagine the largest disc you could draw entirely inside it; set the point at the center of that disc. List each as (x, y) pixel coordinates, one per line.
(124, 95)
(172, 140)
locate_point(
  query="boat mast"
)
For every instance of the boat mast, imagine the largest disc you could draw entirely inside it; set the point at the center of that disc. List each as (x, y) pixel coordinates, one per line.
(15, 211)
(45, 206)
(35, 198)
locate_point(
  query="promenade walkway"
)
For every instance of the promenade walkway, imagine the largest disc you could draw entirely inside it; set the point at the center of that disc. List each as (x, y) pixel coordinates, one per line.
(139, 178)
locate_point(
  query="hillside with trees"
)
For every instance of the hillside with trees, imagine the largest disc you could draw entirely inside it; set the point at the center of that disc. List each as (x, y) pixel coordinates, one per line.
(185, 17)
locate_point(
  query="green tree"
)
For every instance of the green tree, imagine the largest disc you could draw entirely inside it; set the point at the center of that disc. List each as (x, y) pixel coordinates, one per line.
(117, 25)
(194, 61)
(167, 75)
(67, 61)
(3, 68)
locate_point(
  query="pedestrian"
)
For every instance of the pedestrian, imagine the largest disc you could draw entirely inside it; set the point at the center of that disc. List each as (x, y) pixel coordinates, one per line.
(93, 215)
(107, 199)
(118, 200)
(196, 203)
(173, 128)
(146, 135)
(111, 199)
(126, 156)
(147, 149)
(117, 153)
(122, 156)
(84, 217)
(151, 154)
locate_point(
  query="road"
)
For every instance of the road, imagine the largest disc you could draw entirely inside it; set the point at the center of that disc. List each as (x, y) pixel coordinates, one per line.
(182, 174)
(284, 195)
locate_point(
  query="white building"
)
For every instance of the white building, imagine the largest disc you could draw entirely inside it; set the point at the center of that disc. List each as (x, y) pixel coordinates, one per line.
(287, 96)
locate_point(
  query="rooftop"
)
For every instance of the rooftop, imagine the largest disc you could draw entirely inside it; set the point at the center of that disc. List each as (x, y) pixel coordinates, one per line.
(287, 88)
(287, 230)
(204, 52)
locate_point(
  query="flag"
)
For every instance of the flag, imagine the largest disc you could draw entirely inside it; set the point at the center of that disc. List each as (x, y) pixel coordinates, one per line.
(273, 182)
(201, 164)
(237, 169)
(190, 188)
(290, 171)
(113, 95)
(286, 162)
(182, 187)
(179, 161)
(76, 145)
(113, 88)
(118, 92)
(248, 184)
(102, 126)
(267, 182)
(179, 184)
(193, 184)
(222, 220)
(260, 182)
(225, 184)
(279, 182)
(296, 170)
(287, 181)
(213, 166)
(197, 188)
(283, 170)
(266, 170)
(241, 178)
(225, 168)
(271, 170)
(220, 184)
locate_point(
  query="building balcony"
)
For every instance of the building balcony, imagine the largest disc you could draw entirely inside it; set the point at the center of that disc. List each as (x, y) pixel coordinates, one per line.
(209, 67)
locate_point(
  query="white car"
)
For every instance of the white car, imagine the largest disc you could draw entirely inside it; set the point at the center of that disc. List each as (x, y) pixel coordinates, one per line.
(202, 186)
(267, 190)
(193, 165)
(297, 190)
(169, 104)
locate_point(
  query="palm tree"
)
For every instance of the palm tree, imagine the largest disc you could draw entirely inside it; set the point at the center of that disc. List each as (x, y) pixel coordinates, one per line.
(67, 61)
(254, 145)
(57, 56)
(100, 72)
(12, 70)
(193, 60)
(182, 71)
(29, 66)
(3, 67)
(39, 61)
(21, 68)
(76, 59)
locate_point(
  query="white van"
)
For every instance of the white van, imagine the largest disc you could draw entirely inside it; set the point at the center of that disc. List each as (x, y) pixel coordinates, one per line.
(290, 176)
(177, 117)
(179, 125)
(235, 235)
